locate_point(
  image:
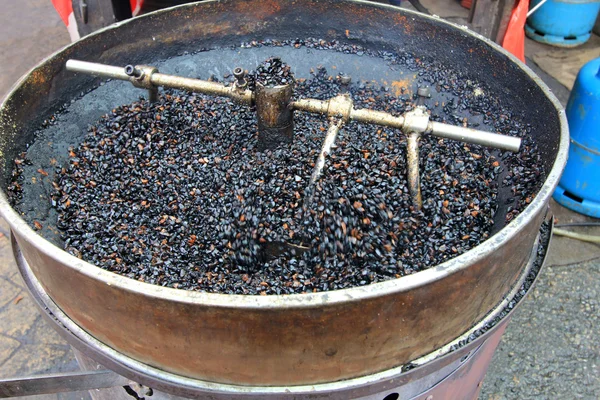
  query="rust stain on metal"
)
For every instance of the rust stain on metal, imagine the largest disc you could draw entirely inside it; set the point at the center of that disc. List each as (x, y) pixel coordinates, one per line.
(255, 15)
(401, 86)
(265, 9)
(214, 343)
(37, 77)
(403, 22)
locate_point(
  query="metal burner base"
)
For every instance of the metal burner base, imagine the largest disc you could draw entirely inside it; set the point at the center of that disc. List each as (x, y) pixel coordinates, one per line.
(439, 375)
(462, 382)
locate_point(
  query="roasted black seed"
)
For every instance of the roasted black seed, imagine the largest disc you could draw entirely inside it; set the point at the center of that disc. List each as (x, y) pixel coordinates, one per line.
(175, 193)
(272, 72)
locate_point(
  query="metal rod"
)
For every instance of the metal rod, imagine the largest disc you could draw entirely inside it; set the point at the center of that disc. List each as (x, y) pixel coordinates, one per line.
(96, 69)
(158, 79)
(334, 128)
(153, 95)
(194, 85)
(412, 156)
(361, 115)
(311, 105)
(58, 383)
(201, 86)
(579, 236)
(245, 96)
(474, 136)
(377, 117)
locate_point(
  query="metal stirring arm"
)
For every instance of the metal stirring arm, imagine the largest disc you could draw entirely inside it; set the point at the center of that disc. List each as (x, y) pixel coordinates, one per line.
(149, 78)
(275, 114)
(334, 127)
(410, 124)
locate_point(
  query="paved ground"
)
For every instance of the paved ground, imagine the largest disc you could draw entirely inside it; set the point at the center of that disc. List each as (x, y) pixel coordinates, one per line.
(27, 345)
(29, 31)
(550, 350)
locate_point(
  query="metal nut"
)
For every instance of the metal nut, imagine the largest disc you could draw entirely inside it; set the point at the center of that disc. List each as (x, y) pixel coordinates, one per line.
(142, 76)
(424, 91)
(416, 120)
(340, 106)
(240, 78)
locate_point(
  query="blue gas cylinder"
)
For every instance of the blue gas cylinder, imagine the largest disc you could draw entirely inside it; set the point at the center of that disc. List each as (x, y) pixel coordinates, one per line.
(579, 187)
(566, 23)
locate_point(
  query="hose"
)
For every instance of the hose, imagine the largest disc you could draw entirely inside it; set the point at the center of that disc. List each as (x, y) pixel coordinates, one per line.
(415, 3)
(419, 7)
(577, 224)
(579, 236)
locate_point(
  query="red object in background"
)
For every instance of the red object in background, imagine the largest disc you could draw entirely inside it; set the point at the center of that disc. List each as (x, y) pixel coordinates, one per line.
(64, 8)
(466, 4)
(136, 6)
(65, 11)
(514, 39)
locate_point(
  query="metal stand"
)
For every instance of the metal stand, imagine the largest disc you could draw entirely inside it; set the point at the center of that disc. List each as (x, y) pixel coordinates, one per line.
(443, 374)
(463, 382)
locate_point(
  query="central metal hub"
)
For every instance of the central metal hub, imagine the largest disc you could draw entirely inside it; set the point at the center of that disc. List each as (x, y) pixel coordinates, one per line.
(274, 116)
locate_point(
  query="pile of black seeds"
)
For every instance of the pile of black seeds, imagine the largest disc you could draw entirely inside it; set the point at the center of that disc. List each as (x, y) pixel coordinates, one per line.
(273, 72)
(175, 193)
(15, 189)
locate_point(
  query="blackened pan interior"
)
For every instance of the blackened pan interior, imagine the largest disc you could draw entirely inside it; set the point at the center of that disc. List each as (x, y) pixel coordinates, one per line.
(177, 41)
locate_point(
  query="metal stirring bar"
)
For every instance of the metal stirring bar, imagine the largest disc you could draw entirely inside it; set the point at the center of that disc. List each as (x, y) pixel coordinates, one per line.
(275, 116)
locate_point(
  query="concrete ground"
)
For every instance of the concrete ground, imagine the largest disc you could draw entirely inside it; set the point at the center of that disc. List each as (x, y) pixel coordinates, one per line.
(550, 350)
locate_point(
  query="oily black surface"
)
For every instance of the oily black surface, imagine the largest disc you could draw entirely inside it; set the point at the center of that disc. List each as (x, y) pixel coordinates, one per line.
(175, 193)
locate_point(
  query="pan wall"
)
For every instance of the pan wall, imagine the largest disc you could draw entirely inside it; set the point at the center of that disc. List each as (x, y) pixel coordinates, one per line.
(282, 340)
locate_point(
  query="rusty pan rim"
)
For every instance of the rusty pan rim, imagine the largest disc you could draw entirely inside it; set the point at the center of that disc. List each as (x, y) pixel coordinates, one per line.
(308, 300)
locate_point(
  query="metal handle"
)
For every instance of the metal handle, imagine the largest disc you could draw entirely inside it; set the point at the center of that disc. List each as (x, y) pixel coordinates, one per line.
(149, 78)
(58, 383)
(96, 69)
(474, 136)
